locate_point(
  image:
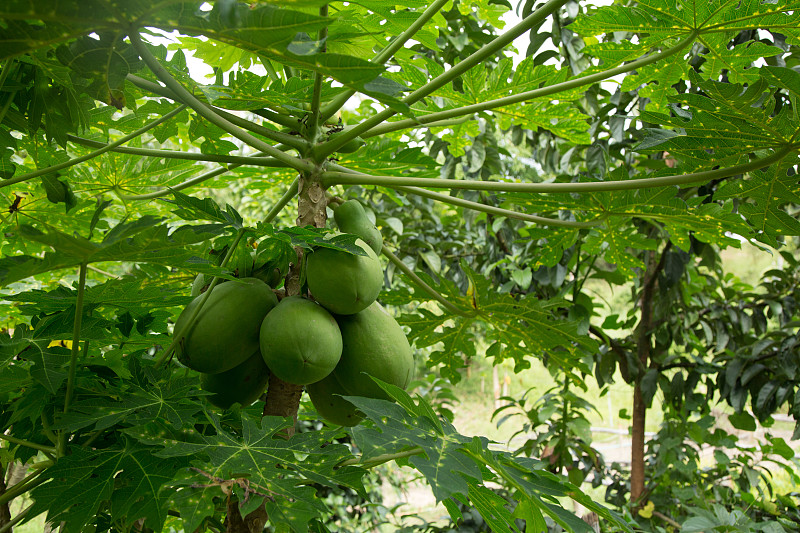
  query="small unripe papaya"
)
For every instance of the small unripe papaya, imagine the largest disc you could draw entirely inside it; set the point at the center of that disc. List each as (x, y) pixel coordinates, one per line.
(226, 330)
(344, 283)
(326, 395)
(241, 384)
(350, 146)
(351, 218)
(198, 284)
(300, 341)
(373, 342)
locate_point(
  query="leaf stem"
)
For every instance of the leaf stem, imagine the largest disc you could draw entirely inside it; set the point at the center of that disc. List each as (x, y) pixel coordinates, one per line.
(189, 156)
(73, 360)
(499, 211)
(316, 97)
(424, 286)
(277, 136)
(91, 155)
(290, 193)
(32, 445)
(498, 43)
(384, 55)
(380, 459)
(344, 178)
(476, 206)
(530, 95)
(388, 127)
(29, 482)
(209, 114)
(176, 336)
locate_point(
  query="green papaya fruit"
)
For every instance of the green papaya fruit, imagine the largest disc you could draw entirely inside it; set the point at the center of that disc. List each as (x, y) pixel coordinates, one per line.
(241, 384)
(300, 341)
(326, 395)
(198, 284)
(351, 218)
(344, 283)
(373, 342)
(226, 330)
(350, 146)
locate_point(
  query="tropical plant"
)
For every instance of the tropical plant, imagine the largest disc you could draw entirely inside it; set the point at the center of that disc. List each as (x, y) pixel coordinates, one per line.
(629, 137)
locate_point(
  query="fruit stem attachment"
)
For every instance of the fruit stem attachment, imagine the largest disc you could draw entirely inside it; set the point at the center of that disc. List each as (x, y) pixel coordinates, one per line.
(424, 286)
(176, 337)
(91, 155)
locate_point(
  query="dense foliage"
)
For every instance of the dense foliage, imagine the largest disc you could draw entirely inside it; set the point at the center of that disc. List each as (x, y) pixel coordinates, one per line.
(628, 145)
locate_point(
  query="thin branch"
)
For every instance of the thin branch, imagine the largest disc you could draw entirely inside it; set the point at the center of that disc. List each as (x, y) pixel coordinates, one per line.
(476, 206)
(32, 445)
(290, 193)
(73, 361)
(535, 93)
(91, 155)
(278, 118)
(498, 211)
(316, 96)
(475, 59)
(28, 483)
(207, 113)
(343, 178)
(424, 286)
(176, 337)
(295, 142)
(389, 127)
(185, 185)
(384, 55)
(189, 156)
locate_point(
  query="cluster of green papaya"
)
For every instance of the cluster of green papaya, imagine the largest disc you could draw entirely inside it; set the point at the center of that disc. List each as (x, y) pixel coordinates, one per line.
(243, 333)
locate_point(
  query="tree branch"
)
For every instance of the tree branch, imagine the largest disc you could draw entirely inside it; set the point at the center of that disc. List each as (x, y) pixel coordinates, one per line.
(207, 113)
(498, 43)
(189, 156)
(344, 178)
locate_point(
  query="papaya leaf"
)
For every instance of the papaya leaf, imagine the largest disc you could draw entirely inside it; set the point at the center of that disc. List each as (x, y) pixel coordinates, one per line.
(272, 467)
(127, 478)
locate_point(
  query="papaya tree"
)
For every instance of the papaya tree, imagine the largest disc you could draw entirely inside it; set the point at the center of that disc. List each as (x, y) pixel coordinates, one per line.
(135, 187)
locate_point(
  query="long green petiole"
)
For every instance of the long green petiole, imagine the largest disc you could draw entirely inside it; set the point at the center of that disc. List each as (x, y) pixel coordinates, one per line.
(32, 445)
(290, 193)
(75, 350)
(486, 51)
(91, 155)
(528, 95)
(28, 483)
(188, 156)
(475, 206)
(207, 113)
(295, 142)
(344, 178)
(384, 55)
(185, 185)
(424, 286)
(176, 337)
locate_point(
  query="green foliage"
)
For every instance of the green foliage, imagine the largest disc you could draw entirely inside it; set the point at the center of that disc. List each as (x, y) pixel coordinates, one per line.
(126, 174)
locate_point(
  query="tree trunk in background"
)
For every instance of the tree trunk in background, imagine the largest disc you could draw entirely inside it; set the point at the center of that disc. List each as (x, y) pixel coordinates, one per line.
(643, 353)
